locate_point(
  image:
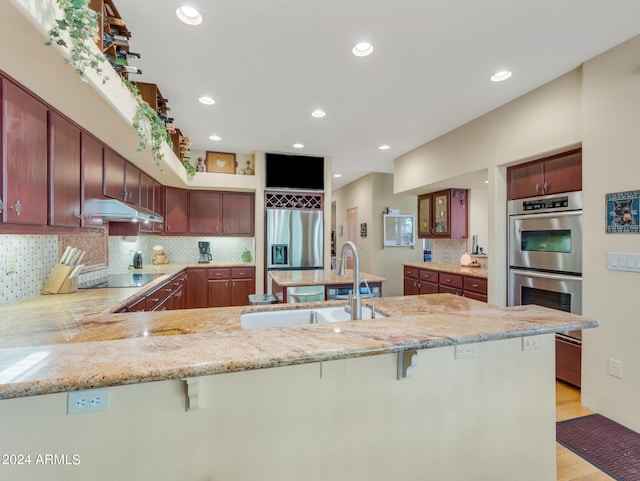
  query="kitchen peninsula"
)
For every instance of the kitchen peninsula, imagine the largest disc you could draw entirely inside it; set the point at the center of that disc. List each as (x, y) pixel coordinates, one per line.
(325, 279)
(199, 398)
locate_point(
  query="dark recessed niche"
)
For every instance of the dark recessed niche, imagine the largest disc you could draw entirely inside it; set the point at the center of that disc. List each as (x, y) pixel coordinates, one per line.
(294, 172)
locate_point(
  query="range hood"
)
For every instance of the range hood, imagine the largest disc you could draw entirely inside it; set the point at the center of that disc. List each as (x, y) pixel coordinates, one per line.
(116, 211)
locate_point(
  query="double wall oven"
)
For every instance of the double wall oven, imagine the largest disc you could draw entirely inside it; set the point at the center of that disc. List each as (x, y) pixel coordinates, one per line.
(545, 265)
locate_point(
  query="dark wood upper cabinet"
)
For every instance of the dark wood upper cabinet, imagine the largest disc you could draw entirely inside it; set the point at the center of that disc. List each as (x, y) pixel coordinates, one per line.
(113, 175)
(64, 172)
(24, 173)
(50, 168)
(237, 213)
(91, 155)
(552, 175)
(158, 205)
(176, 203)
(121, 179)
(221, 213)
(204, 212)
(146, 191)
(132, 184)
(443, 214)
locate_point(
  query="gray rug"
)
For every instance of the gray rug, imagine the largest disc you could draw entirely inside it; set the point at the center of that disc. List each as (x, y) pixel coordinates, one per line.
(606, 444)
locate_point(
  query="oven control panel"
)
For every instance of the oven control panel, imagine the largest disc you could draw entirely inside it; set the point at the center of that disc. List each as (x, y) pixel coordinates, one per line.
(540, 204)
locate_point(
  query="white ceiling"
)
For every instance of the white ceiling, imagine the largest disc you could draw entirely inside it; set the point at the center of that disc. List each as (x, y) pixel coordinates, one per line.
(269, 63)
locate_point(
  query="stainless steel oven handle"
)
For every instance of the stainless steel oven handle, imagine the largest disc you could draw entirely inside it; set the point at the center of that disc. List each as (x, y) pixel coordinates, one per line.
(545, 275)
(544, 215)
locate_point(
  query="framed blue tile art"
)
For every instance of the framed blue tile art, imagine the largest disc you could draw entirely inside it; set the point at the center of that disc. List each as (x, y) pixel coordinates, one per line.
(622, 212)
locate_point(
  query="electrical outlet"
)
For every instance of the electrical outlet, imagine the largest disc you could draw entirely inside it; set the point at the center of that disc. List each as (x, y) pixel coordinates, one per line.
(464, 351)
(615, 368)
(530, 343)
(89, 401)
(10, 263)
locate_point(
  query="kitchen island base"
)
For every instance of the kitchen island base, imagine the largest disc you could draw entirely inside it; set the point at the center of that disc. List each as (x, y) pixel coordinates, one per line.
(489, 417)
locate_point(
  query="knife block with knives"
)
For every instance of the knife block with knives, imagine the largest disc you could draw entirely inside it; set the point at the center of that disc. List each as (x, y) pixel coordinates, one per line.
(64, 277)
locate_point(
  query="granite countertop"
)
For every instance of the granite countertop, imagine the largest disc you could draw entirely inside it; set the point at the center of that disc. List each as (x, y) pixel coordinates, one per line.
(317, 277)
(450, 268)
(68, 342)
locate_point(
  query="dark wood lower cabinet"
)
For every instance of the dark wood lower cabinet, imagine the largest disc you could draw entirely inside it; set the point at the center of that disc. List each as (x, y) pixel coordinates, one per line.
(196, 288)
(427, 281)
(218, 292)
(568, 360)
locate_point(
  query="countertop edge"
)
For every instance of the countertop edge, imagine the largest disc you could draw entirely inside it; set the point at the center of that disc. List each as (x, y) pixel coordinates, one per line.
(130, 371)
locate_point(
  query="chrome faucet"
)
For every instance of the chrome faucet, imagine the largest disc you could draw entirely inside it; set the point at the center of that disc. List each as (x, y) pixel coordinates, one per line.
(355, 300)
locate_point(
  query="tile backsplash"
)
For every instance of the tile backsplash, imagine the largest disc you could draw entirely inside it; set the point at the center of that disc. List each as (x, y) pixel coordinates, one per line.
(182, 250)
(448, 251)
(36, 255)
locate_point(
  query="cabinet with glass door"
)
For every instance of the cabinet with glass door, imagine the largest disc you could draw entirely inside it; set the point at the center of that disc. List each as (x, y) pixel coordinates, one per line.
(443, 214)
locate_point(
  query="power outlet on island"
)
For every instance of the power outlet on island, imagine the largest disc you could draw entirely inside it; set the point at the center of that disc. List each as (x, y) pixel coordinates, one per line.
(465, 351)
(89, 401)
(529, 343)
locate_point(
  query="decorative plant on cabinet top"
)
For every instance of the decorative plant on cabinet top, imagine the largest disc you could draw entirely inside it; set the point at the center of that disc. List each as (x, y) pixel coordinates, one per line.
(81, 24)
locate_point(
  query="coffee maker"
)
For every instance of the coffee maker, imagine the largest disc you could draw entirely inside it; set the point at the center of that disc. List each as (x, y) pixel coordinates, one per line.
(205, 253)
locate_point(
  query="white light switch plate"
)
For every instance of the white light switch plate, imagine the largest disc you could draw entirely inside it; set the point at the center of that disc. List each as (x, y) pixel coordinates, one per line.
(617, 261)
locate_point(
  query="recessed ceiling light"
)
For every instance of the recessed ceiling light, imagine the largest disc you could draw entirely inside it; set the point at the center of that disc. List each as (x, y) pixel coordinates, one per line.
(486, 181)
(206, 100)
(215, 137)
(362, 49)
(500, 76)
(189, 15)
(298, 146)
(337, 175)
(318, 114)
(384, 147)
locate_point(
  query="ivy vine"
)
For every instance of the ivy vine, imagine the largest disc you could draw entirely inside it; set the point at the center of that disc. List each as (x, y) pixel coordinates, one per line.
(81, 23)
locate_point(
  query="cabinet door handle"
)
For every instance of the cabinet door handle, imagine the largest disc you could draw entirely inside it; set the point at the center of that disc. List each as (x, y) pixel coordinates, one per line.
(447, 280)
(1, 206)
(474, 285)
(537, 188)
(17, 207)
(545, 187)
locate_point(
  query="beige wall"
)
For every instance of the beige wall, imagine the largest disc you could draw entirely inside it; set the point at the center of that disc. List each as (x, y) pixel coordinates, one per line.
(611, 163)
(371, 194)
(346, 420)
(598, 106)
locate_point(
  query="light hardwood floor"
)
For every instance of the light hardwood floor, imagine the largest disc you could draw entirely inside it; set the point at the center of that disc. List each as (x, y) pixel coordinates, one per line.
(570, 466)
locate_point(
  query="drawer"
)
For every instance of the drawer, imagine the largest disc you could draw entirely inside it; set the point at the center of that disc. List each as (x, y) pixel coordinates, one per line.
(219, 273)
(159, 295)
(411, 272)
(449, 290)
(137, 306)
(475, 284)
(429, 276)
(451, 280)
(475, 296)
(241, 273)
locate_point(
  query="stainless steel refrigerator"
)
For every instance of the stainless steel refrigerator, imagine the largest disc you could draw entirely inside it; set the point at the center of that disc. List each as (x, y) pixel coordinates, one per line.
(294, 239)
